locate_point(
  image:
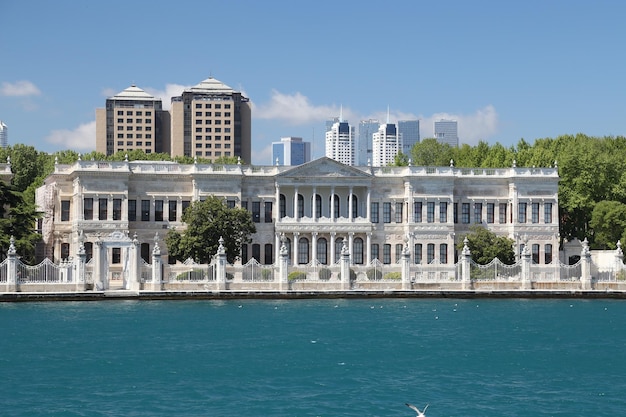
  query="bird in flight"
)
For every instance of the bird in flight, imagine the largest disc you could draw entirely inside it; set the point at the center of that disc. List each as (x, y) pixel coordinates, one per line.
(419, 413)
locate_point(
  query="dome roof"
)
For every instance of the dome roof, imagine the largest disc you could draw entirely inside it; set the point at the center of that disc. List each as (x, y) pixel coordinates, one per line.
(133, 93)
(211, 85)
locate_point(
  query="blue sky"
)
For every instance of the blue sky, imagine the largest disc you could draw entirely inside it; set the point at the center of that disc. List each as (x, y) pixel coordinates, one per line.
(503, 70)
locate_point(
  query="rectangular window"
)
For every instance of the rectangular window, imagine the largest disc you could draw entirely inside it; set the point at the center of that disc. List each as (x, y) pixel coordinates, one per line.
(535, 212)
(398, 252)
(443, 212)
(132, 210)
(478, 212)
(430, 212)
(374, 212)
(145, 210)
(256, 211)
(386, 212)
(65, 210)
(117, 209)
(418, 253)
(386, 253)
(282, 206)
(65, 250)
(430, 253)
(490, 212)
(521, 216)
(548, 254)
(547, 212)
(455, 212)
(375, 251)
(230, 204)
(256, 252)
(268, 212)
(465, 213)
(102, 208)
(417, 211)
(399, 212)
(535, 252)
(269, 254)
(88, 208)
(172, 206)
(186, 204)
(502, 212)
(443, 253)
(116, 255)
(158, 210)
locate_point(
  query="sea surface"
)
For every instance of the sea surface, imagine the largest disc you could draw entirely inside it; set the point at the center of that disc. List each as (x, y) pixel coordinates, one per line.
(464, 357)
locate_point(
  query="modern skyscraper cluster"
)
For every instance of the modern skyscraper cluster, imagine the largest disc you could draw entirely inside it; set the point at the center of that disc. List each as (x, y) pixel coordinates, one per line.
(209, 120)
(340, 142)
(4, 135)
(446, 131)
(378, 143)
(291, 151)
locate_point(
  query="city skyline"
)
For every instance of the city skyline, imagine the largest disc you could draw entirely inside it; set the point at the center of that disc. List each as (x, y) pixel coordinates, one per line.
(503, 71)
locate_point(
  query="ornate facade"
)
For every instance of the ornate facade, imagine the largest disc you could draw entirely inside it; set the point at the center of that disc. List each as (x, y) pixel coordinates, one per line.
(314, 206)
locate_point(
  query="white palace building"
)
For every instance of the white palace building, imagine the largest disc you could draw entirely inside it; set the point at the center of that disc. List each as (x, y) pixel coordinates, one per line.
(312, 208)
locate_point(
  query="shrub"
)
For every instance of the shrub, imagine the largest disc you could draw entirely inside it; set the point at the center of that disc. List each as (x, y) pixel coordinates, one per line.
(267, 274)
(324, 274)
(374, 274)
(295, 275)
(393, 275)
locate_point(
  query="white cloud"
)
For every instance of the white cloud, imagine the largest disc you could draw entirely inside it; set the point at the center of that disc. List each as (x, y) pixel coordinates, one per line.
(295, 109)
(19, 89)
(83, 138)
(171, 90)
(480, 125)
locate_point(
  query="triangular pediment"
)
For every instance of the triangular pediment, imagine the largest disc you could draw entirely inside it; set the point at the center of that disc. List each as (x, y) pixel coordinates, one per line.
(324, 168)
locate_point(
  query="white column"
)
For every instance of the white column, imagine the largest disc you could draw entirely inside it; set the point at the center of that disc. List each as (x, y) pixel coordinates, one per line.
(332, 248)
(277, 214)
(350, 245)
(295, 203)
(277, 244)
(350, 208)
(368, 205)
(332, 204)
(294, 249)
(314, 246)
(368, 249)
(313, 205)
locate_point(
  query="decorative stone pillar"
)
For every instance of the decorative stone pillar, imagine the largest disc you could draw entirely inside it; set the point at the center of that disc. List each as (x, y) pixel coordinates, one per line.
(619, 260)
(81, 260)
(526, 281)
(134, 260)
(157, 264)
(13, 281)
(466, 258)
(345, 267)
(220, 266)
(283, 261)
(406, 267)
(100, 281)
(585, 266)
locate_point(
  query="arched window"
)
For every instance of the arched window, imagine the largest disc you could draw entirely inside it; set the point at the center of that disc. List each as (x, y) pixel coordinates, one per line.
(269, 254)
(337, 206)
(357, 248)
(338, 245)
(88, 251)
(322, 251)
(145, 252)
(300, 206)
(355, 206)
(256, 252)
(282, 205)
(303, 250)
(318, 206)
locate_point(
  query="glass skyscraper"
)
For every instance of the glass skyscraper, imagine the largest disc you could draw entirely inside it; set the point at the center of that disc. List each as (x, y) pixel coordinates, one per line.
(446, 131)
(409, 131)
(291, 151)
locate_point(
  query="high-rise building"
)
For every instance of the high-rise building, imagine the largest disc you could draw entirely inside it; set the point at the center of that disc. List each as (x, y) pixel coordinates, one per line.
(291, 151)
(132, 119)
(409, 131)
(446, 131)
(340, 144)
(386, 143)
(4, 135)
(367, 128)
(211, 120)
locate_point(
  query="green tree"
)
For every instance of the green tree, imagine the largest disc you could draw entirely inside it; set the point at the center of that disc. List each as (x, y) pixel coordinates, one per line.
(429, 152)
(608, 222)
(206, 222)
(227, 160)
(485, 245)
(401, 160)
(17, 219)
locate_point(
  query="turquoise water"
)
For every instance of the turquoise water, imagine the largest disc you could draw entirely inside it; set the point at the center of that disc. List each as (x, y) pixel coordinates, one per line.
(313, 358)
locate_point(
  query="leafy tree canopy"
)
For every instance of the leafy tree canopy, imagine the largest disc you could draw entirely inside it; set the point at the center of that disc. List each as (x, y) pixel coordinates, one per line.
(206, 222)
(485, 246)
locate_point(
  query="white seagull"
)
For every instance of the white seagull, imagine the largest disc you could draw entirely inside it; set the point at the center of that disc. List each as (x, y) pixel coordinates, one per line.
(419, 413)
